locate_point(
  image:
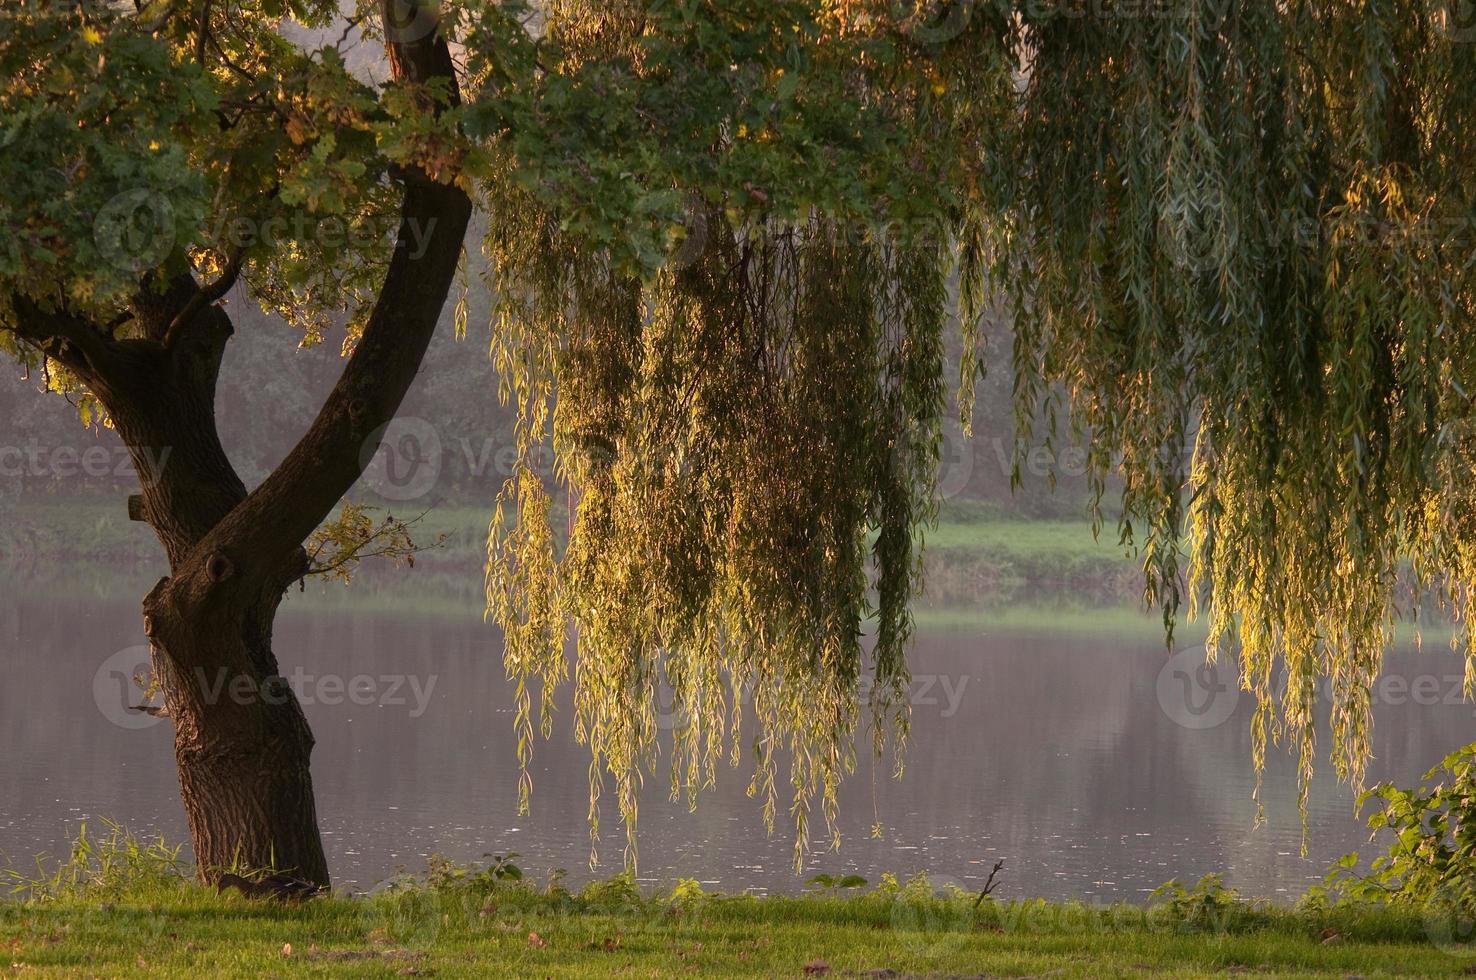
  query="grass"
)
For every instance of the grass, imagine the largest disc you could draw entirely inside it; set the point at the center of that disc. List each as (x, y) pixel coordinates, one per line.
(87, 527)
(610, 929)
(193, 933)
(973, 553)
(120, 907)
(962, 525)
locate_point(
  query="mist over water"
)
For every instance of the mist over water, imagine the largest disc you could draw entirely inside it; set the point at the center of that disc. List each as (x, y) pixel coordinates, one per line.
(1064, 752)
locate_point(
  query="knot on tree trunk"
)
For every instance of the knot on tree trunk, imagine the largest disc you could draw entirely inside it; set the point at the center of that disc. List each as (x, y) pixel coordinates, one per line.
(219, 567)
(151, 607)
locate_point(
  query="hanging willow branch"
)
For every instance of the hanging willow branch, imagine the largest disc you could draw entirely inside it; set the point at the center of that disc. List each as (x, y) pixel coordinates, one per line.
(1234, 239)
(744, 437)
(1239, 238)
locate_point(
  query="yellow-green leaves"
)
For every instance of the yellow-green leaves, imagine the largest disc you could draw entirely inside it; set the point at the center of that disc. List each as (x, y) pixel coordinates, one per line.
(96, 123)
(730, 434)
(1247, 228)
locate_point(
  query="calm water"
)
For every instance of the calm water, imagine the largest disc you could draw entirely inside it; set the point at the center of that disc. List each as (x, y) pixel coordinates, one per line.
(1073, 756)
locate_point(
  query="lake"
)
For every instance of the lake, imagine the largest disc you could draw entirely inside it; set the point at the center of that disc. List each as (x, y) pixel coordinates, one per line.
(1075, 751)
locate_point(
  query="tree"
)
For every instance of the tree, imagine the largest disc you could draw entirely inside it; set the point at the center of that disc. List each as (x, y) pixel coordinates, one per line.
(157, 155)
(720, 238)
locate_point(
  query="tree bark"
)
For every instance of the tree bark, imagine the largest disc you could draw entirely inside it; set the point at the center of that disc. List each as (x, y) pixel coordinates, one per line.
(242, 743)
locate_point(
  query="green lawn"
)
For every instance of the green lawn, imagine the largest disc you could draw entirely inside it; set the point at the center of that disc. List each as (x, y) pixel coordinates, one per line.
(123, 906)
(89, 527)
(611, 930)
(965, 527)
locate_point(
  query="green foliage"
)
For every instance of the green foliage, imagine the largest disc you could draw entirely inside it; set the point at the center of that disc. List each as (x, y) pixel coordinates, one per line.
(112, 865)
(617, 894)
(722, 238)
(1203, 906)
(687, 894)
(1247, 228)
(829, 883)
(1431, 860)
(98, 178)
(443, 874)
(335, 549)
(749, 426)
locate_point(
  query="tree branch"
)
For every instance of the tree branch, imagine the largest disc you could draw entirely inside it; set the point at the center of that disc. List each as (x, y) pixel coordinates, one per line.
(72, 341)
(262, 536)
(203, 297)
(204, 32)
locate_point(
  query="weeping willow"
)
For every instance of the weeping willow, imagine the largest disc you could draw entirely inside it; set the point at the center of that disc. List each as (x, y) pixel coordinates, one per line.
(1233, 241)
(1238, 248)
(731, 433)
(746, 426)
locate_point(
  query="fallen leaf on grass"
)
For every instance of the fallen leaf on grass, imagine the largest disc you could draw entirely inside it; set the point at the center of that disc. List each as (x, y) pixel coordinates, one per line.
(536, 941)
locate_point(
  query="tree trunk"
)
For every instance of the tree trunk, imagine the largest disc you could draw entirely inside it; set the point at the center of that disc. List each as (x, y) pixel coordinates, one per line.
(242, 744)
(241, 741)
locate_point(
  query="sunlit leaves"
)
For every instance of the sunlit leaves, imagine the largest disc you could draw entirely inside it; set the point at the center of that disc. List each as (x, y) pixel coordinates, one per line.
(1248, 228)
(95, 119)
(743, 438)
(720, 238)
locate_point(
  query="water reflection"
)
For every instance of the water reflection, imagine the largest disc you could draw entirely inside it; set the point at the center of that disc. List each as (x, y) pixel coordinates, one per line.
(1057, 752)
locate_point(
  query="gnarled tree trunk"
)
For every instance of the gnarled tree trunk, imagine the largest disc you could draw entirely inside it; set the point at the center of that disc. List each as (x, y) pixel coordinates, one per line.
(242, 743)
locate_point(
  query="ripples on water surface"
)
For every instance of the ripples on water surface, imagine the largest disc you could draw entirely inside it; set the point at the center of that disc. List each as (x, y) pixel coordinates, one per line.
(1047, 748)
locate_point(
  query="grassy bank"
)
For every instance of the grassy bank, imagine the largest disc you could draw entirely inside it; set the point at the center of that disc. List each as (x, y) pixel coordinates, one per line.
(985, 571)
(478, 928)
(121, 906)
(973, 554)
(87, 527)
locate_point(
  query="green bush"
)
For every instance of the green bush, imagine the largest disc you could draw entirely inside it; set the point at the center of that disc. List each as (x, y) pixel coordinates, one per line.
(1431, 860)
